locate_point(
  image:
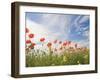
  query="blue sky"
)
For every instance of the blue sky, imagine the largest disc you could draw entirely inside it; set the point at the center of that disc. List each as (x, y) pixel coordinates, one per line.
(62, 26)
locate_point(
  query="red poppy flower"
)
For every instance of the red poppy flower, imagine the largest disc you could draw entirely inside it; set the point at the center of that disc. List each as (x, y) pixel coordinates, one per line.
(60, 42)
(69, 42)
(42, 39)
(32, 45)
(31, 35)
(28, 41)
(49, 44)
(55, 41)
(75, 45)
(65, 43)
(27, 30)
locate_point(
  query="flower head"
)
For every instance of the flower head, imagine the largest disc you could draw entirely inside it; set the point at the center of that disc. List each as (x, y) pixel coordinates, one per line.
(65, 43)
(75, 45)
(64, 58)
(55, 41)
(60, 42)
(42, 39)
(31, 35)
(49, 44)
(27, 30)
(69, 42)
(28, 41)
(32, 45)
(78, 62)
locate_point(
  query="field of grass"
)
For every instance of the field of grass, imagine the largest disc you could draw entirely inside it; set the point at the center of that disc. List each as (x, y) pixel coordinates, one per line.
(45, 52)
(47, 59)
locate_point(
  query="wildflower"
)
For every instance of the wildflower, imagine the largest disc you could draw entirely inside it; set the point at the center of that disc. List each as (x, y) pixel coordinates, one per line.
(65, 43)
(78, 62)
(27, 30)
(42, 39)
(60, 42)
(28, 41)
(64, 58)
(49, 47)
(49, 44)
(31, 35)
(55, 41)
(32, 45)
(69, 42)
(75, 45)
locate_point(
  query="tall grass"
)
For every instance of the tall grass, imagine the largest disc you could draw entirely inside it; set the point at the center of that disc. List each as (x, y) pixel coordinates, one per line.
(57, 52)
(46, 59)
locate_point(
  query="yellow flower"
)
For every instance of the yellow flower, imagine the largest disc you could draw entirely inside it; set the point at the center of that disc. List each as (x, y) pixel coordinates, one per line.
(78, 62)
(64, 58)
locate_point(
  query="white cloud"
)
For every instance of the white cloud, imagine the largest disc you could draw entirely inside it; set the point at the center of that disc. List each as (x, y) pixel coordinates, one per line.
(84, 18)
(58, 24)
(41, 31)
(77, 22)
(36, 29)
(82, 30)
